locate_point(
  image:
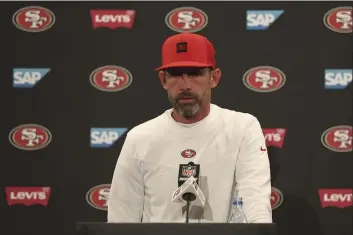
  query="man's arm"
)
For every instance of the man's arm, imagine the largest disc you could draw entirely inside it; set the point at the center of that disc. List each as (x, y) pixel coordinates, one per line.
(253, 178)
(126, 197)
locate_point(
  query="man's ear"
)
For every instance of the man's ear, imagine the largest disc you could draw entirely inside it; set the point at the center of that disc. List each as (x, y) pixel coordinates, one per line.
(215, 77)
(162, 78)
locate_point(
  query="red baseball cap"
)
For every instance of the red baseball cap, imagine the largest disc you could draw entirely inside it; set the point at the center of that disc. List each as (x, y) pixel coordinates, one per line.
(187, 50)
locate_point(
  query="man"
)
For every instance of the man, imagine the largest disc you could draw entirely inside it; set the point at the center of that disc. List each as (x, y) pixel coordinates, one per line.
(228, 145)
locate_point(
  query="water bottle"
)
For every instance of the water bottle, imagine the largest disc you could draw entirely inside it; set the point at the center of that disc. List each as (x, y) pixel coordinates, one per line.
(237, 214)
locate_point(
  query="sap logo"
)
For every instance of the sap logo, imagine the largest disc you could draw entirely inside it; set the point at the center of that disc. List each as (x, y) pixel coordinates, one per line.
(337, 79)
(27, 78)
(105, 137)
(261, 20)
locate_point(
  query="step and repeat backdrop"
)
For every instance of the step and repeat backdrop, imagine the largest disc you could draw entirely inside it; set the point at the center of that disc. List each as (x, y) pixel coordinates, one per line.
(77, 76)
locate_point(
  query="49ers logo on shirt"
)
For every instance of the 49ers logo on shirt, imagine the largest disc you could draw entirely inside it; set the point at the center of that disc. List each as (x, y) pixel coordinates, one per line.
(188, 153)
(339, 19)
(30, 137)
(98, 196)
(186, 19)
(113, 18)
(264, 79)
(33, 19)
(111, 78)
(338, 138)
(276, 198)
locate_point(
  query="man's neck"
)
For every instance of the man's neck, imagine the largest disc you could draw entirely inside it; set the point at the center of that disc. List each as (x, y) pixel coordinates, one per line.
(203, 112)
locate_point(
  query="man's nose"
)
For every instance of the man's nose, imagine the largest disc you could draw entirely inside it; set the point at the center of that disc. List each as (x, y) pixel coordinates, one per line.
(185, 81)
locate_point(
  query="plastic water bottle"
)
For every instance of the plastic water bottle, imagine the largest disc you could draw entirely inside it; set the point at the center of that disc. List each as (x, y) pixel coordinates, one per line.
(237, 214)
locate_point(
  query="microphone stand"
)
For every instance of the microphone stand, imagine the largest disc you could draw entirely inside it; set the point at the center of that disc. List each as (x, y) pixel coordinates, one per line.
(188, 197)
(187, 211)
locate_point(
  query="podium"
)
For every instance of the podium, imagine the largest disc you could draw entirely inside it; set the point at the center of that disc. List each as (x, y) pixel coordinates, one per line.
(101, 228)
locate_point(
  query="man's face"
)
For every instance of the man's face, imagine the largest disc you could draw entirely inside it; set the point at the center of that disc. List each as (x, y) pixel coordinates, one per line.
(188, 89)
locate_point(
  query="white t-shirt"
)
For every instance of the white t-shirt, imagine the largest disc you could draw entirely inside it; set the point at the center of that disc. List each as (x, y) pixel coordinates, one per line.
(230, 148)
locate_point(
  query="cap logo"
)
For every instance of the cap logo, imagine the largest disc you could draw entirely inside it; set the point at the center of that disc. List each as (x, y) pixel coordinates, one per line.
(181, 47)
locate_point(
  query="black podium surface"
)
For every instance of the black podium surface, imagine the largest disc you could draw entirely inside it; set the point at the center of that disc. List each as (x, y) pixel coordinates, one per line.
(100, 228)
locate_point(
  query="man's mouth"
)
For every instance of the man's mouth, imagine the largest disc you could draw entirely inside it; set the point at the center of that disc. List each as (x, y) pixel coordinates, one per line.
(186, 100)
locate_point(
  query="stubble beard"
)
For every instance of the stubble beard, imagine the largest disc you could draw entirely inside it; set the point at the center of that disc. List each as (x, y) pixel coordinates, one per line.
(188, 110)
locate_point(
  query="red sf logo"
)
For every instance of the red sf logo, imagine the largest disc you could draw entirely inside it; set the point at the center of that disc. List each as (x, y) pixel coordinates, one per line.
(276, 198)
(98, 196)
(264, 79)
(186, 19)
(111, 78)
(339, 19)
(30, 137)
(33, 19)
(338, 138)
(188, 153)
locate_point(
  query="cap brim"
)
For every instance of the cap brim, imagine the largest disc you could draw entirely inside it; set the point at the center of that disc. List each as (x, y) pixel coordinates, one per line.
(184, 64)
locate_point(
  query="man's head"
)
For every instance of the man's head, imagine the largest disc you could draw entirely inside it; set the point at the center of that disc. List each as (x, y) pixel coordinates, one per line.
(188, 72)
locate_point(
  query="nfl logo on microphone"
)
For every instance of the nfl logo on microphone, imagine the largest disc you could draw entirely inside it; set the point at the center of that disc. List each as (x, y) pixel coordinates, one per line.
(188, 171)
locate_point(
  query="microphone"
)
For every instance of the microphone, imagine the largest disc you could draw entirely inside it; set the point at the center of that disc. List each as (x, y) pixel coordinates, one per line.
(189, 189)
(187, 170)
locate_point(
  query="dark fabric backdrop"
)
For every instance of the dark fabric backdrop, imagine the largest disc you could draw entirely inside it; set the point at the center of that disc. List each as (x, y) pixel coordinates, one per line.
(68, 105)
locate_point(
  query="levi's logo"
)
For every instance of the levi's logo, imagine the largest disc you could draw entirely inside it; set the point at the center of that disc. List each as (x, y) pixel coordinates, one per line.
(335, 197)
(113, 18)
(274, 136)
(27, 195)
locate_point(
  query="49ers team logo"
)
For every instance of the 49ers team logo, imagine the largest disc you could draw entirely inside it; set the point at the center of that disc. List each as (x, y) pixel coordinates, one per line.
(186, 19)
(264, 79)
(339, 19)
(111, 78)
(276, 198)
(98, 196)
(30, 137)
(33, 19)
(188, 153)
(338, 138)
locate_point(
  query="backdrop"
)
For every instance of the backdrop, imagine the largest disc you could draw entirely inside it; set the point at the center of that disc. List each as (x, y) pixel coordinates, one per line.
(78, 76)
